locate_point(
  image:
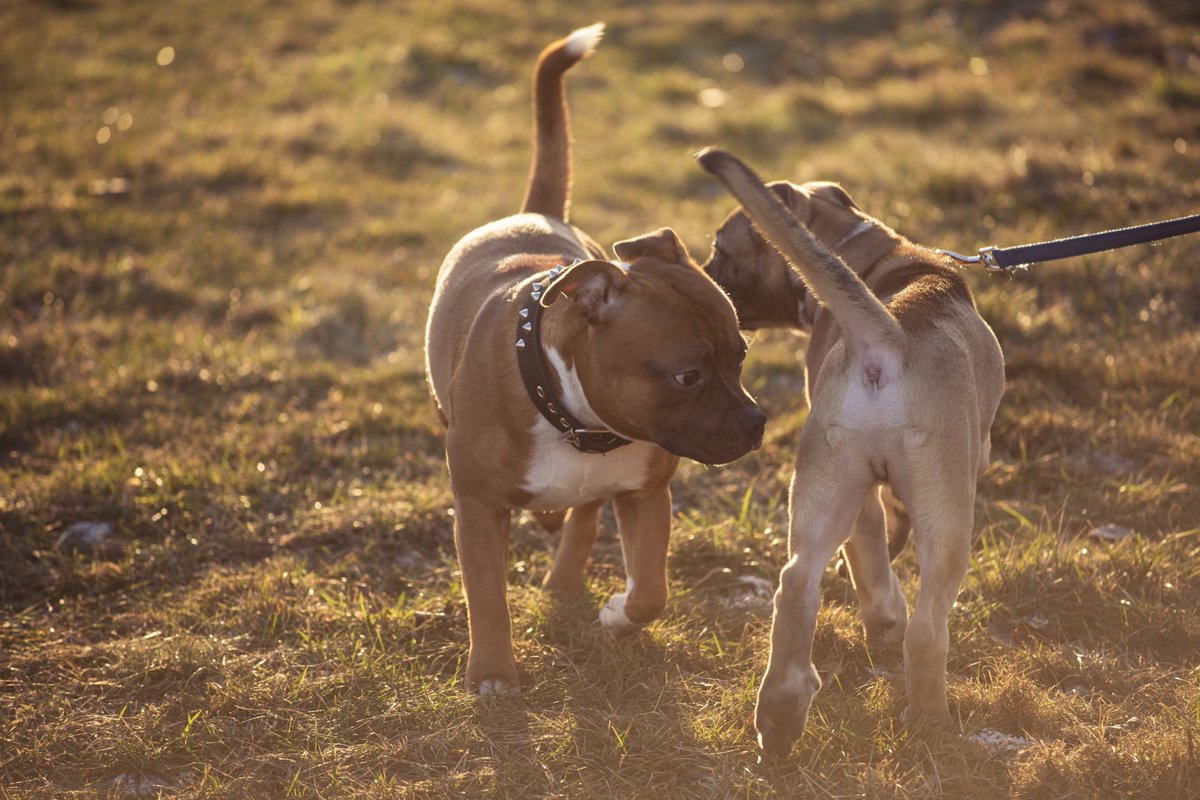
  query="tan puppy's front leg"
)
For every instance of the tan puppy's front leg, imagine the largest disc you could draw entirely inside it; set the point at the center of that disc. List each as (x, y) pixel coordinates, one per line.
(481, 537)
(825, 497)
(644, 521)
(574, 548)
(943, 517)
(884, 609)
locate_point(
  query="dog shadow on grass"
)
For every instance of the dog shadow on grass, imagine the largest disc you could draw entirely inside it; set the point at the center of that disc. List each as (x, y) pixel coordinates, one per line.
(599, 712)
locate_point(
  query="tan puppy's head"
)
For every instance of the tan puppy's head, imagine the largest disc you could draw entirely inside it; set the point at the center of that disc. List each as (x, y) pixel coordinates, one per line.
(662, 356)
(765, 290)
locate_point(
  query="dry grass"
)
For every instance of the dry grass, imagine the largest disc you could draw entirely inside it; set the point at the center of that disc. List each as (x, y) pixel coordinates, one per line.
(214, 276)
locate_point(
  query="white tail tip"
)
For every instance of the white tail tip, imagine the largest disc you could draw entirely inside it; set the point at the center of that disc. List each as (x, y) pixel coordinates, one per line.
(583, 41)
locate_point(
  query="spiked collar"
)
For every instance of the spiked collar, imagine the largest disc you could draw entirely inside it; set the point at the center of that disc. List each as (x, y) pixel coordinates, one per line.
(532, 363)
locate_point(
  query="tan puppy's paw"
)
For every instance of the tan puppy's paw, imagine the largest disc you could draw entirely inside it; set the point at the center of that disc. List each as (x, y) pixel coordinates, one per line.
(781, 713)
(929, 719)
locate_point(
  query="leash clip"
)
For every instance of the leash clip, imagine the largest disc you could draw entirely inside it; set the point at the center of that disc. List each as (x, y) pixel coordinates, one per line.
(986, 257)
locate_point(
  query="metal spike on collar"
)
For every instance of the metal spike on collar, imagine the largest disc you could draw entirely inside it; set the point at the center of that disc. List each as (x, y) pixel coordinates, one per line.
(520, 344)
(524, 312)
(527, 327)
(537, 287)
(536, 295)
(554, 273)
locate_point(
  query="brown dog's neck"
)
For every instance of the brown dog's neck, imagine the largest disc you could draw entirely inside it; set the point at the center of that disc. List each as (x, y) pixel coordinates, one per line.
(550, 344)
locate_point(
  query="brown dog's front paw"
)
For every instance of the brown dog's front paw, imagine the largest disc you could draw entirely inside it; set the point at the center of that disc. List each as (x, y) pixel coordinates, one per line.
(614, 619)
(492, 676)
(782, 710)
(496, 686)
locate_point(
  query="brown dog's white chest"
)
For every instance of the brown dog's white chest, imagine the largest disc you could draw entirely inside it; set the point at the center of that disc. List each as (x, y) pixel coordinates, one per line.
(559, 476)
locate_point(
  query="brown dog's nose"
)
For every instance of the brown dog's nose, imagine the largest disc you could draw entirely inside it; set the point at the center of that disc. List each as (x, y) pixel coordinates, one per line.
(754, 422)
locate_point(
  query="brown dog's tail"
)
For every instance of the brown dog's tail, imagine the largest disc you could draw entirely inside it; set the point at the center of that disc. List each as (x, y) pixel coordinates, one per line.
(550, 179)
(864, 320)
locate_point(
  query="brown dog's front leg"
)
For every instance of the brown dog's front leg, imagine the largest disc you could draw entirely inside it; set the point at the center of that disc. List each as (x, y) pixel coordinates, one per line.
(644, 520)
(574, 548)
(481, 537)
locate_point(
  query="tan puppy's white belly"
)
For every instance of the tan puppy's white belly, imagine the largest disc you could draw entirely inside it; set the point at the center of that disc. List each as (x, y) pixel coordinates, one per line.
(560, 477)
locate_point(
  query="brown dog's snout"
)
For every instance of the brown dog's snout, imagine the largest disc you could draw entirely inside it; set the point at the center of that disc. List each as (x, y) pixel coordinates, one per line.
(750, 421)
(754, 422)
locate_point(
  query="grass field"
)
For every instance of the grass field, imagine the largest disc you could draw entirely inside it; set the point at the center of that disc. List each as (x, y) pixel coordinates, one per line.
(219, 226)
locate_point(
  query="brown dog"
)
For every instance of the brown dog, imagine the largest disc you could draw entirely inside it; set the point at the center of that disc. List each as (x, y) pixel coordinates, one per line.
(903, 380)
(566, 380)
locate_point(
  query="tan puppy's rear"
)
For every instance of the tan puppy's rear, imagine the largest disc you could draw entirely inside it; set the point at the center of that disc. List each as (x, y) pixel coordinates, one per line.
(904, 379)
(566, 380)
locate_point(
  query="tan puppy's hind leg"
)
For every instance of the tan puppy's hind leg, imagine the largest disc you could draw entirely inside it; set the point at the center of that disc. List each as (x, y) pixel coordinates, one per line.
(481, 537)
(943, 517)
(826, 495)
(574, 549)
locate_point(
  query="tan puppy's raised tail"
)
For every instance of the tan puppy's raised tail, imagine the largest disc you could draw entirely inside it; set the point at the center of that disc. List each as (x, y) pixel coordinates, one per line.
(550, 177)
(865, 321)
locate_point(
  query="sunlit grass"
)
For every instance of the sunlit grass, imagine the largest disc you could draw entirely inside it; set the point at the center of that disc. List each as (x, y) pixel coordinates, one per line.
(214, 268)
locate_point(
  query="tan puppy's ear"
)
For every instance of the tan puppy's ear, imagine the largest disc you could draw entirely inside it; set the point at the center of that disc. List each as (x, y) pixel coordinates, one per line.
(785, 191)
(832, 192)
(596, 287)
(663, 244)
(794, 197)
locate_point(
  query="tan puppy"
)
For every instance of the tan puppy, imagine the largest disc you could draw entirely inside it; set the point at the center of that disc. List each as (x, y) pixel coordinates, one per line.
(566, 380)
(903, 379)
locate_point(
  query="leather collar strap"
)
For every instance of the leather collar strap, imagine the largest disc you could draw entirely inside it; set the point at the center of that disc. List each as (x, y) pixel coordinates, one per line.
(537, 384)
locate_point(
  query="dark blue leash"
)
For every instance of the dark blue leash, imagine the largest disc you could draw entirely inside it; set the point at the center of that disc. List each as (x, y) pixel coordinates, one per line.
(1007, 259)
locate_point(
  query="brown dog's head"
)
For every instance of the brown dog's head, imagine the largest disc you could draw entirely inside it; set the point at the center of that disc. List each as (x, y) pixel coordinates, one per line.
(765, 290)
(663, 355)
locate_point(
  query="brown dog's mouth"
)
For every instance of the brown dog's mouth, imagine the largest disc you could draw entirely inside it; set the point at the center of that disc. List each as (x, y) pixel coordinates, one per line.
(724, 444)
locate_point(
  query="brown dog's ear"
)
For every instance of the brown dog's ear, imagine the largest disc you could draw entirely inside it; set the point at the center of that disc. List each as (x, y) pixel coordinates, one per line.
(596, 287)
(663, 244)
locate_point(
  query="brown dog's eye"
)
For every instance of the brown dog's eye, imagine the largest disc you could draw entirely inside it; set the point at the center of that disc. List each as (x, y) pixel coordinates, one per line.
(688, 378)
